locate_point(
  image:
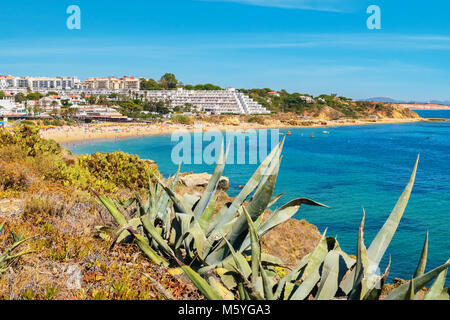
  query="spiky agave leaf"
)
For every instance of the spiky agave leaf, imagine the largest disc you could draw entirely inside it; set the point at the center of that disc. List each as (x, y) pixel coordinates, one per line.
(120, 219)
(359, 284)
(225, 216)
(256, 208)
(383, 238)
(329, 279)
(256, 248)
(401, 292)
(211, 189)
(281, 215)
(205, 288)
(423, 259)
(310, 275)
(437, 289)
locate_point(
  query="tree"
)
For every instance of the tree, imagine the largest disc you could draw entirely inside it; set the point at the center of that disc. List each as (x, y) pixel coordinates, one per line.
(19, 97)
(168, 81)
(34, 96)
(149, 84)
(2, 95)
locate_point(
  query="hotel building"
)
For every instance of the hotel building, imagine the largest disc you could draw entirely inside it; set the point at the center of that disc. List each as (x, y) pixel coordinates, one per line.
(111, 84)
(38, 83)
(210, 101)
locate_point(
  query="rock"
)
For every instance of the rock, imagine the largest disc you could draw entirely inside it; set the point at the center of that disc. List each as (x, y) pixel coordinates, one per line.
(74, 280)
(10, 207)
(291, 241)
(201, 180)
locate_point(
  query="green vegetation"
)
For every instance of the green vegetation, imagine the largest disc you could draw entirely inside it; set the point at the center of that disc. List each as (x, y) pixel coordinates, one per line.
(7, 257)
(223, 244)
(26, 153)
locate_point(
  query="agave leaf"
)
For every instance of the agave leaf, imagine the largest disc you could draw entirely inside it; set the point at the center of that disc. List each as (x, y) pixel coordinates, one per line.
(329, 281)
(135, 223)
(205, 288)
(267, 285)
(281, 215)
(248, 189)
(359, 285)
(256, 207)
(267, 259)
(207, 214)
(109, 204)
(411, 294)
(437, 288)
(178, 203)
(290, 277)
(401, 292)
(383, 238)
(251, 290)
(227, 278)
(211, 189)
(275, 199)
(256, 248)
(375, 292)
(201, 243)
(317, 256)
(423, 259)
(224, 292)
(239, 261)
(305, 288)
(155, 235)
(145, 247)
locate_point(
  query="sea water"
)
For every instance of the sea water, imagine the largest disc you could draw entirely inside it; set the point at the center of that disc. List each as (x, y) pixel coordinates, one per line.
(348, 168)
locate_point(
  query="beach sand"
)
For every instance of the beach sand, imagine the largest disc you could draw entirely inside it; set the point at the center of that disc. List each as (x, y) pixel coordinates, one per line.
(117, 131)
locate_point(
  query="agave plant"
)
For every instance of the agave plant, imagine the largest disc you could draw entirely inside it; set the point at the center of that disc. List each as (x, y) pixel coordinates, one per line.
(186, 230)
(326, 273)
(7, 257)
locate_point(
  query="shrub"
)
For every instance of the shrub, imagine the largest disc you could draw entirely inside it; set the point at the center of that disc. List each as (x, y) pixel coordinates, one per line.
(121, 169)
(182, 119)
(14, 176)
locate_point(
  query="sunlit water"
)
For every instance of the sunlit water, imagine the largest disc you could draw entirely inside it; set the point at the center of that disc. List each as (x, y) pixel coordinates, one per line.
(348, 168)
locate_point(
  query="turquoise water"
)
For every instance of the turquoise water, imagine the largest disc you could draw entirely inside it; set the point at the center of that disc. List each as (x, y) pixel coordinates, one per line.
(347, 169)
(440, 114)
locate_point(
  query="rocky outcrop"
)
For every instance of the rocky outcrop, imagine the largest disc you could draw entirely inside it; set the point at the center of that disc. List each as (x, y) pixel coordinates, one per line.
(291, 241)
(201, 180)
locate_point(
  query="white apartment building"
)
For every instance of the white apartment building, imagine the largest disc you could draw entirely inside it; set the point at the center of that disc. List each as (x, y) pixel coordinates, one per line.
(111, 84)
(210, 101)
(9, 107)
(39, 83)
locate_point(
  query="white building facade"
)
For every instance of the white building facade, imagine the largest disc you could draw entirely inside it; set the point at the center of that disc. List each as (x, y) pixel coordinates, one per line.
(210, 101)
(38, 83)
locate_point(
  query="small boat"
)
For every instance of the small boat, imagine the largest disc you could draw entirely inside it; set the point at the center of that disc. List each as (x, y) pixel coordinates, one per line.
(243, 131)
(312, 135)
(289, 133)
(326, 132)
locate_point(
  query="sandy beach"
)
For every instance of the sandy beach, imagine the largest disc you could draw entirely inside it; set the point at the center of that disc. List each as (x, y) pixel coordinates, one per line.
(85, 132)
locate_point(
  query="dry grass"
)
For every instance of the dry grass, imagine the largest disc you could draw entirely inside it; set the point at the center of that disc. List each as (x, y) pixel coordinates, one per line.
(71, 262)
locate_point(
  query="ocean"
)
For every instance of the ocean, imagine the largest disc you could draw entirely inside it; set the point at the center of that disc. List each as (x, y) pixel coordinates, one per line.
(348, 168)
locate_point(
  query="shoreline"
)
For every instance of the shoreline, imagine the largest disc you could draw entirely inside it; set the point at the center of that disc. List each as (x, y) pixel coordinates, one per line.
(79, 134)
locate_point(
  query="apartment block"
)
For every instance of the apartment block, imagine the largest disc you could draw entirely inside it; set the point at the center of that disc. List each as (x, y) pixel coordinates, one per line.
(111, 83)
(210, 101)
(39, 83)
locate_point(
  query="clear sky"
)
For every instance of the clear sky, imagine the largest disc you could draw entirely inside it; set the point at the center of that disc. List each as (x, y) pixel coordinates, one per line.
(308, 46)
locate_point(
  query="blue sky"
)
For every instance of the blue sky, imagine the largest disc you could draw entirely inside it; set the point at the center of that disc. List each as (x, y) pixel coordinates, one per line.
(309, 46)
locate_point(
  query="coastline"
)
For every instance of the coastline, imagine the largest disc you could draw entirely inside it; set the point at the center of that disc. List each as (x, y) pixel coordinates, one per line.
(74, 134)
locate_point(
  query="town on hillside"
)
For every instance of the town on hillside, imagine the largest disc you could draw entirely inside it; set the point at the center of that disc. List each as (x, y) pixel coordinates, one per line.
(115, 99)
